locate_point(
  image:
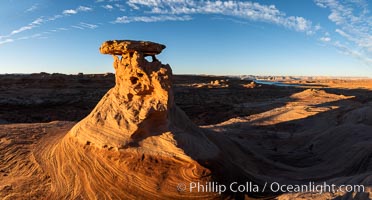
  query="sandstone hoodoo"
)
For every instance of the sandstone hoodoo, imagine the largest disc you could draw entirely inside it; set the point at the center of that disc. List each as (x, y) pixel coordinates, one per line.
(137, 106)
(140, 105)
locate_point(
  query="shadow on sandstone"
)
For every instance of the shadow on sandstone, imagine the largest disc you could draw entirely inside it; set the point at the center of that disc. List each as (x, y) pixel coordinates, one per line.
(331, 146)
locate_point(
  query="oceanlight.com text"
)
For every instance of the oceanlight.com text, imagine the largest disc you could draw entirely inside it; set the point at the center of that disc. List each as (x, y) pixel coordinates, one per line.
(274, 187)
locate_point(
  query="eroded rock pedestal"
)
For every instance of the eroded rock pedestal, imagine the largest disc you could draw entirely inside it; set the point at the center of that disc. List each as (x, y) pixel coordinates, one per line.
(140, 105)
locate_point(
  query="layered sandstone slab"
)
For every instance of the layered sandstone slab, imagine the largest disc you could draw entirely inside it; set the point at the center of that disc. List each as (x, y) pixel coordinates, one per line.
(119, 47)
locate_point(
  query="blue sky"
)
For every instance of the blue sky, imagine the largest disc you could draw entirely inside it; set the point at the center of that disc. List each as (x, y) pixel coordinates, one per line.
(266, 37)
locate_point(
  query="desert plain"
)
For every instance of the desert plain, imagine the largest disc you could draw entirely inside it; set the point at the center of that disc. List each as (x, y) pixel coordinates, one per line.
(72, 137)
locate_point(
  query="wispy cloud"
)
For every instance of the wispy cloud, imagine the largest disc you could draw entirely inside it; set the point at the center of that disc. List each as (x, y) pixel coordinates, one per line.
(6, 41)
(66, 12)
(352, 52)
(133, 5)
(78, 9)
(63, 29)
(354, 26)
(10, 40)
(325, 39)
(242, 9)
(31, 36)
(84, 8)
(83, 25)
(54, 17)
(90, 26)
(32, 8)
(30, 26)
(159, 18)
(108, 7)
(42, 20)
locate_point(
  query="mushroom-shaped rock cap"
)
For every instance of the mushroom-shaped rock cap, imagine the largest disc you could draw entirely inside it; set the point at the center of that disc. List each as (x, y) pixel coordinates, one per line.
(119, 47)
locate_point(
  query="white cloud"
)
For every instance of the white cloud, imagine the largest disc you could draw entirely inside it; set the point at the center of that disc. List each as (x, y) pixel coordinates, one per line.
(325, 39)
(55, 17)
(320, 4)
(127, 19)
(78, 9)
(30, 26)
(342, 33)
(37, 21)
(108, 7)
(24, 28)
(297, 23)
(32, 8)
(63, 29)
(84, 8)
(242, 9)
(317, 27)
(6, 41)
(83, 25)
(86, 25)
(37, 35)
(66, 12)
(352, 52)
(41, 20)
